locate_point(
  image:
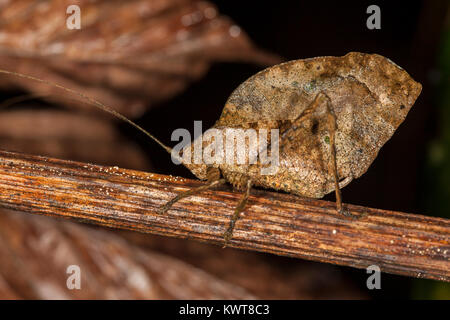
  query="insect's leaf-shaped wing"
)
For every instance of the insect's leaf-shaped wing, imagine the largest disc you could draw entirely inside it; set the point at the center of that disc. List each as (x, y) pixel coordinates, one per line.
(283, 91)
(370, 96)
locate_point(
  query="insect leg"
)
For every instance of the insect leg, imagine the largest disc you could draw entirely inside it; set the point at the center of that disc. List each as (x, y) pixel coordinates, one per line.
(321, 100)
(237, 212)
(213, 180)
(331, 118)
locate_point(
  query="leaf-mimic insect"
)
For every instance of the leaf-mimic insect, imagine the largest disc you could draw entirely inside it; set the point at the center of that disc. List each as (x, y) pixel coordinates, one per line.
(333, 115)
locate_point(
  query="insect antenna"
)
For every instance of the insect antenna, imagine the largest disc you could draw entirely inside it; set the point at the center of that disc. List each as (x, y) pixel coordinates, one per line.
(93, 102)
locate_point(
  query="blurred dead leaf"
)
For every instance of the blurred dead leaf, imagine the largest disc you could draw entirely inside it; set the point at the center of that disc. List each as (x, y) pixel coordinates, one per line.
(129, 55)
(36, 251)
(268, 277)
(68, 135)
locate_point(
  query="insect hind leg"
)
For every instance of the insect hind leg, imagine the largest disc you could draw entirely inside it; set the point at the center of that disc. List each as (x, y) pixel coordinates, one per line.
(321, 100)
(332, 127)
(331, 119)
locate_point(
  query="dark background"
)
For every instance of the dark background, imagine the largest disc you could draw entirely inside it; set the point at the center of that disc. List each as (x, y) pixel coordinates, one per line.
(410, 35)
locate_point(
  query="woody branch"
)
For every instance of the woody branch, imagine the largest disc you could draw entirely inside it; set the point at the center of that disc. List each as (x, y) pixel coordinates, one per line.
(399, 243)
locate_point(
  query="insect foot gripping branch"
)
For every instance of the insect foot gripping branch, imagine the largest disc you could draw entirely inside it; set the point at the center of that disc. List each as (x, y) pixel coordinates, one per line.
(307, 127)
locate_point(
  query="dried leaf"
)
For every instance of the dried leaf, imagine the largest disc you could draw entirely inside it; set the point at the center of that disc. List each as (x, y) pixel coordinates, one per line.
(36, 251)
(68, 135)
(268, 277)
(129, 55)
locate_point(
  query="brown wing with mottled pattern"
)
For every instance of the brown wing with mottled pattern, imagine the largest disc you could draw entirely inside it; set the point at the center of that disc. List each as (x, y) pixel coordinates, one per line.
(370, 97)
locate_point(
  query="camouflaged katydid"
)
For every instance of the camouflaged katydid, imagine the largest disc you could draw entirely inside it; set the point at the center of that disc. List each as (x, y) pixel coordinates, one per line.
(333, 115)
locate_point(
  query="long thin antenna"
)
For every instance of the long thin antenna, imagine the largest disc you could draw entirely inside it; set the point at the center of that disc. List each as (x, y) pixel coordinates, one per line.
(92, 102)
